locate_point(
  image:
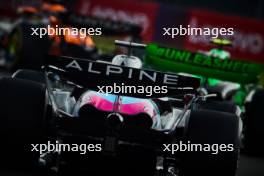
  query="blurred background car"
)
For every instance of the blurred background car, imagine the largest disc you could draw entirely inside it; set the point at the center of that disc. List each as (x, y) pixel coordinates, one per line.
(23, 48)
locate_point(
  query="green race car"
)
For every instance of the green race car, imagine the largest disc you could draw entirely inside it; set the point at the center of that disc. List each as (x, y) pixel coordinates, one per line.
(235, 82)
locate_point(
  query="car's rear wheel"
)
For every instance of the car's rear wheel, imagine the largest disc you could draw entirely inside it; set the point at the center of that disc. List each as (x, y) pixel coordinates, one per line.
(254, 120)
(22, 115)
(211, 131)
(30, 75)
(224, 106)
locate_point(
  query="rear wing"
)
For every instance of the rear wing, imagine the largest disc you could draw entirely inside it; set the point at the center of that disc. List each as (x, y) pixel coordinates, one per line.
(90, 74)
(177, 61)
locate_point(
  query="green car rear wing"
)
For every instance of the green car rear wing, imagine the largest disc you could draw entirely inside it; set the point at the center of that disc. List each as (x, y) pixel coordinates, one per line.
(182, 61)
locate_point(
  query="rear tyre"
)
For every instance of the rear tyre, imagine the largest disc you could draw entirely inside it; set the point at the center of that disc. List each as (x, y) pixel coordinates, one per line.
(215, 130)
(223, 106)
(254, 120)
(30, 75)
(22, 115)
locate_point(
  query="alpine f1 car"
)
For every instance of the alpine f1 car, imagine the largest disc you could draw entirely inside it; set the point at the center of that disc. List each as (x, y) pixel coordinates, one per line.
(25, 45)
(138, 133)
(235, 82)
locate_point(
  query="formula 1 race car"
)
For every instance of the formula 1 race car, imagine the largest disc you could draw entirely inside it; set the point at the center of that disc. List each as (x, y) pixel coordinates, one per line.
(235, 82)
(139, 134)
(25, 45)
